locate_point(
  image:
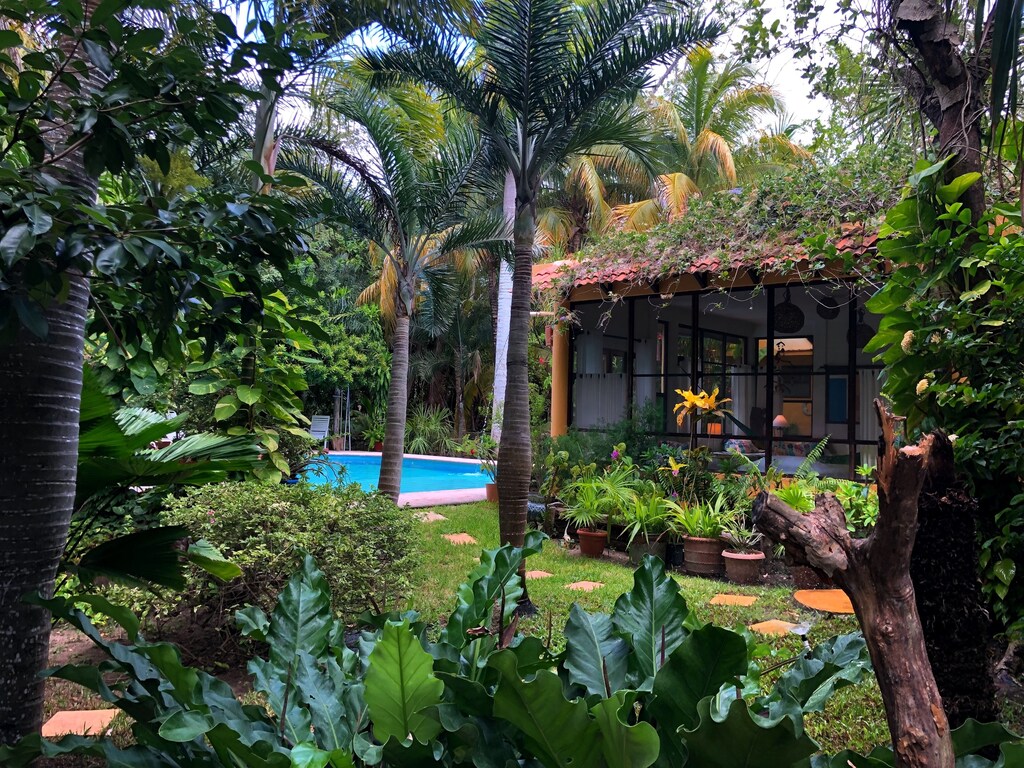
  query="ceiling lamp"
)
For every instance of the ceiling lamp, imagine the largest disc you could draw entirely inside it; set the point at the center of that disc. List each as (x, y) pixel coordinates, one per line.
(828, 308)
(789, 318)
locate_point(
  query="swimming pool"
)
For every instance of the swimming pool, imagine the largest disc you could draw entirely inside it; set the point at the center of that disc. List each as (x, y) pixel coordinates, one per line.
(417, 474)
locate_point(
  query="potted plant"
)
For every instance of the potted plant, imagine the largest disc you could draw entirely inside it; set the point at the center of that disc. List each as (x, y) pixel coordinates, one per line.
(701, 524)
(337, 442)
(374, 435)
(489, 466)
(586, 512)
(743, 556)
(646, 520)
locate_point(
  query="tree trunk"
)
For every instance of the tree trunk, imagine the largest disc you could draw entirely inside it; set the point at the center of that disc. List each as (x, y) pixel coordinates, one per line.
(390, 479)
(515, 451)
(955, 85)
(875, 573)
(957, 627)
(40, 387)
(460, 407)
(506, 287)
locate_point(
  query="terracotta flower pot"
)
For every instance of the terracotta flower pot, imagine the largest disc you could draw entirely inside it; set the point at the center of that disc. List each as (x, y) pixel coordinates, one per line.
(592, 543)
(492, 492)
(743, 567)
(378, 446)
(703, 556)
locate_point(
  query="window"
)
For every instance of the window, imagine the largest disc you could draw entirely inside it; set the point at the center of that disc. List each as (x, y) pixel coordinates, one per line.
(613, 361)
(794, 365)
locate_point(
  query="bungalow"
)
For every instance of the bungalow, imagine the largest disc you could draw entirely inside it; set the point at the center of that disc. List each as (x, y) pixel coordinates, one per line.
(781, 336)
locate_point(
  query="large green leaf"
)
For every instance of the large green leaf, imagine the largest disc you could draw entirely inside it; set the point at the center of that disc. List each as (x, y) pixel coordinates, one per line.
(206, 556)
(321, 690)
(594, 657)
(144, 557)
(972, 736)
(302, 620)
(740, 741)
(493, 579)
(624, 745)
(401, 688)
(651, 617)
(840, 661)
(707, 659)
(557, 732)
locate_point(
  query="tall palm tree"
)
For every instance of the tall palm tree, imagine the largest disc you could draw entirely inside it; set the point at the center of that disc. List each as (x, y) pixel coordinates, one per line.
(710, 109)
(413, 199)
(548, 81)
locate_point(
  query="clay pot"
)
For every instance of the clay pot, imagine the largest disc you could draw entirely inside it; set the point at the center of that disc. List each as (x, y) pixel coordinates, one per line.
(592, 543)
(492, 492)
(743, 567)
(703, 556)
(640, 547)
(378, 446)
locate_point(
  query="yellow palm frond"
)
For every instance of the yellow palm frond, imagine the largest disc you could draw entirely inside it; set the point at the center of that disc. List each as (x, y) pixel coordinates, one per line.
(637, 217)
(712, 144)
(676, 191)
(554, 227)
(664, 114)
(583, 176)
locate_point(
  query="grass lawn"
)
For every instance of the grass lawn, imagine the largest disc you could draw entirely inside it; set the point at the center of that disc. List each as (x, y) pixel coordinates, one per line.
(854, 718)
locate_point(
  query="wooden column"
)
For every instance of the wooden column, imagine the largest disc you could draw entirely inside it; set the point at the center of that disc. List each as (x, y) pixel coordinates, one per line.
(560, 379)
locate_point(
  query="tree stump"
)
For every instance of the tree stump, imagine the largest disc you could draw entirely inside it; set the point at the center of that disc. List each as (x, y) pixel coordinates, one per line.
(875, 573)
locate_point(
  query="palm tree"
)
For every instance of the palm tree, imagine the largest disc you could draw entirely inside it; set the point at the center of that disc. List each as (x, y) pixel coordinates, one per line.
(708, 110)
(413, 199)
(548, 81)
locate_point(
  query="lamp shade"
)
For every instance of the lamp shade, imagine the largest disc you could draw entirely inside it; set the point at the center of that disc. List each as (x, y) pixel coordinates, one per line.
(780, 422)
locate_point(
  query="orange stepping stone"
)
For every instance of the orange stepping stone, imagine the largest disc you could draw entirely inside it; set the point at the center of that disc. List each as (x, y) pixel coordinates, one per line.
(829, 600)
(86, 722)
(429, 517)
(773, 627)
(538, 574)
(585, 586)
(732, 600)
(460, 538)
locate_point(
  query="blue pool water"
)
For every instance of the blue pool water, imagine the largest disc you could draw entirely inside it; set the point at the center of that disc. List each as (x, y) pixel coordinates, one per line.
(417, 474)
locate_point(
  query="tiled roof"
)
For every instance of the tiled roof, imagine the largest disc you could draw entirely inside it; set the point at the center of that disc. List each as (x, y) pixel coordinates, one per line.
(601, 268)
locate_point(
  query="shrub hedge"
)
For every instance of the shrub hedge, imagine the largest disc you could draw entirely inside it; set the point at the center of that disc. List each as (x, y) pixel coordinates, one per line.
(365, 545)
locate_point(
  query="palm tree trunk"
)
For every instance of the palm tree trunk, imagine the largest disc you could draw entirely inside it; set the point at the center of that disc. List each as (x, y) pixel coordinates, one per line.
(41, 389)
(515, 451)
(501, 332)
(460, 406)
(390, 480)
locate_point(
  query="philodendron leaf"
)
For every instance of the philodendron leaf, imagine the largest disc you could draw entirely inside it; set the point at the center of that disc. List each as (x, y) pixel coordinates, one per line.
(493, 579)
(557, 732)
(651, 617)
(401, 687)
(253, 622)
(594, 659)
(624, 745)
(840, 661)
(740, 741)
(321, 691)
(972, 736)
(706, 659)
(203, 554)
(185, 725)
(302, 620)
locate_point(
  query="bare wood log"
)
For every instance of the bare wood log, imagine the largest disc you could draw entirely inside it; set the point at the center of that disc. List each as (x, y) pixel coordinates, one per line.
(875, 573)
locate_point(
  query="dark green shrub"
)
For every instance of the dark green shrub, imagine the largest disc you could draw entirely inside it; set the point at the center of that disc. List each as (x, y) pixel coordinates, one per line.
(363, 542)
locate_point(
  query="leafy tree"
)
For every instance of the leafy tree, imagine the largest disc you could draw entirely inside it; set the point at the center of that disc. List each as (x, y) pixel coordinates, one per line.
(547, 82)
(412, 200)
(98, 88)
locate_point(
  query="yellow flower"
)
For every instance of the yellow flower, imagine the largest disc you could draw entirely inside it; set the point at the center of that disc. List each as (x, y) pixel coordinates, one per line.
(908, 341)
(922, 385)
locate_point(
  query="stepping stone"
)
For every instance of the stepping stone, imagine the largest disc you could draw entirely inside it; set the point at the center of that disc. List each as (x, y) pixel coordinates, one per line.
(86, 722)
(538, 574)
(732, 600)
(460, 538)
(429, 517)
(828, 600)
(585, 586)
(773, 627)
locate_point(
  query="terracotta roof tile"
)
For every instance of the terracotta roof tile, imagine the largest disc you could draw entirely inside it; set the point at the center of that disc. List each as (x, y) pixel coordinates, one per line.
(590, 272)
